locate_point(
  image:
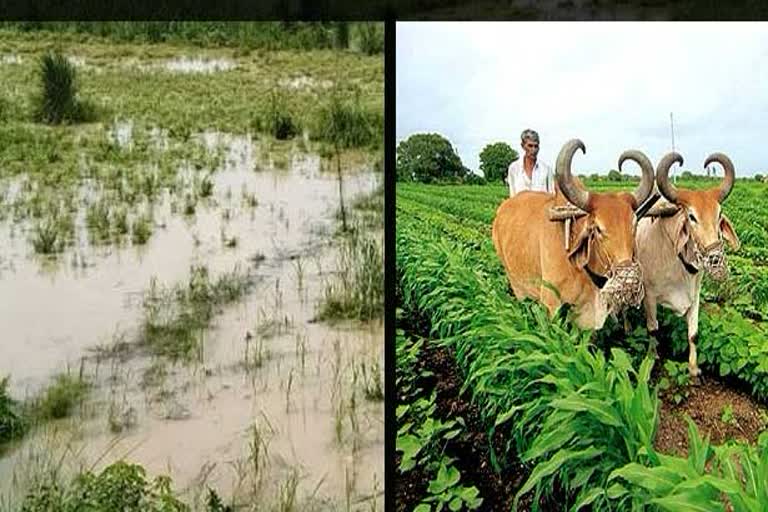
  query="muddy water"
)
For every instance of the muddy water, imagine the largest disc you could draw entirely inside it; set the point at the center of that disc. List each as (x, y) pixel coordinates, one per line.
(199, 416)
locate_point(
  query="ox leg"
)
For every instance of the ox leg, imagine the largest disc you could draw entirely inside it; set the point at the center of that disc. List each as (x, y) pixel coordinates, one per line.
(652, 324)
(692, 317)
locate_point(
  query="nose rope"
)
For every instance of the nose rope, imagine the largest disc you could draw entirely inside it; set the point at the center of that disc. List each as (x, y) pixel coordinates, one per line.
(624, 287)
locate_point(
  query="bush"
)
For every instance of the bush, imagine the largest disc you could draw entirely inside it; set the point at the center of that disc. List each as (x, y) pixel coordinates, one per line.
(120, 486)
(12, 423)
(60, 398)
(345, 122)
(371, 37)
(281, 123)
(58, 101)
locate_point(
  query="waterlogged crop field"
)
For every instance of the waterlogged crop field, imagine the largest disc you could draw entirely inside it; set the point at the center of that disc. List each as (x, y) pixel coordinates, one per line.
(191, 276)
(499, 406)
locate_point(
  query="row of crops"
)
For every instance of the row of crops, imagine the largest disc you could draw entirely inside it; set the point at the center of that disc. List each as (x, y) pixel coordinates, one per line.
(582, 418)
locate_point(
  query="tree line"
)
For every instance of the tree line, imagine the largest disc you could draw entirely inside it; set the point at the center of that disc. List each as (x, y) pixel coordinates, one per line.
(431, 158)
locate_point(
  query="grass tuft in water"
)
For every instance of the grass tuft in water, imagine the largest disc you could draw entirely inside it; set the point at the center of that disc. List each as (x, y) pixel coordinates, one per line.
(175, 318)
(60, 398)
(358, 289)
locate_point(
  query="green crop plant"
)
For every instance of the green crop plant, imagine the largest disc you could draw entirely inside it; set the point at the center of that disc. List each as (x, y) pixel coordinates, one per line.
(675, 381)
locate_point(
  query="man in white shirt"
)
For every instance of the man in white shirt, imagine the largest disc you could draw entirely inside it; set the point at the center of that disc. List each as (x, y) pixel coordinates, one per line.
(529, 173)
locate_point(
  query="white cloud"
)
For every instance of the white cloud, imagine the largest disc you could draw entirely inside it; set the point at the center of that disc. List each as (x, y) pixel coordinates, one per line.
(611, 84)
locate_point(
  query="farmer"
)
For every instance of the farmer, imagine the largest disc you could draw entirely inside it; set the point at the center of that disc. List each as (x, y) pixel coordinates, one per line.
(530, 173)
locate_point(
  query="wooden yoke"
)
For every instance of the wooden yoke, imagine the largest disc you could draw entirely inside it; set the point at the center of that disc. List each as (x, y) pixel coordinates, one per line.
(568, 213)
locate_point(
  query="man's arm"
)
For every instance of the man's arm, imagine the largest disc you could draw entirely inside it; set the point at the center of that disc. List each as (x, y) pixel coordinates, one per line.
(511, 179)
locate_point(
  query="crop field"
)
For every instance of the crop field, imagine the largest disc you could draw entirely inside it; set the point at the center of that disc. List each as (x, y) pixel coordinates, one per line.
(500, 407)
(191, 269)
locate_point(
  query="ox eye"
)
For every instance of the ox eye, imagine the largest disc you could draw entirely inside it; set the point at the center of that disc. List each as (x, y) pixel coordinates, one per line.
(692, 217)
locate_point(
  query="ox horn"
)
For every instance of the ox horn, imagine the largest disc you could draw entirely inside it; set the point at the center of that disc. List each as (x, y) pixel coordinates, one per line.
(730, 173)
(575, 194)
(666, 188)
(645, 188)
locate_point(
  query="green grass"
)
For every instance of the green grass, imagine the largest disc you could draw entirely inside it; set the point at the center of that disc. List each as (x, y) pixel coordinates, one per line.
(357, 290)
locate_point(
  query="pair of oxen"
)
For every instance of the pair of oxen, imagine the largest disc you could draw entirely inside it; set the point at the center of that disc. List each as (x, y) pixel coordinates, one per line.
(616, 251)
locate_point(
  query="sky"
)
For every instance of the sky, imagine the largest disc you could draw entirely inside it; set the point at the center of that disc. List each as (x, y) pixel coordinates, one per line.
(612, 85)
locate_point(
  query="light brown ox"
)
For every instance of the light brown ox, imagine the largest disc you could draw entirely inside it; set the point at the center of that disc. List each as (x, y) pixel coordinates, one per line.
(674, 250)
(532, 248)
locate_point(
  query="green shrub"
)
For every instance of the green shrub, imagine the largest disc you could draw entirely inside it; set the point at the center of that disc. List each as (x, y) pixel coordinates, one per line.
(119, 487)
(58, 100)
(60, 398)
(12, 422)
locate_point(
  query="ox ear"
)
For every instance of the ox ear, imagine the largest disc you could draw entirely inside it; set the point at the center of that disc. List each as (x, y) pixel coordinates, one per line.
(729, 233)
(582, 247)
(684, 243)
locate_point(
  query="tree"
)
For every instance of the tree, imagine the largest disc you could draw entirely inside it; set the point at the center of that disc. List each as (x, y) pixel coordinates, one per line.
(614, 175)
(495, 160)
(686, 175)
(758, 177)
(428, 157)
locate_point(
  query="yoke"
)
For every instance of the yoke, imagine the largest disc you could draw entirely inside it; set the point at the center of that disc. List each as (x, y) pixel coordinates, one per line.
(650, 208)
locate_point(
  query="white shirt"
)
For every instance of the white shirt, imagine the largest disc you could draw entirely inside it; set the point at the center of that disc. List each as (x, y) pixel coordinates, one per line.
(542, 178)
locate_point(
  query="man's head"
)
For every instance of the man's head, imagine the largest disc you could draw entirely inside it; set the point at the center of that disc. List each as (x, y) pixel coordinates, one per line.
(529, 141)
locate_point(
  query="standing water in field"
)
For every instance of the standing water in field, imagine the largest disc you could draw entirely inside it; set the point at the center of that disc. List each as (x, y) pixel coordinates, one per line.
(269, 399)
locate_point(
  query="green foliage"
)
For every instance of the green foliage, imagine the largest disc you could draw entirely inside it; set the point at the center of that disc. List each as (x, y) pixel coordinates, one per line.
(495, 159)
(58, 100)
(371, 37)
(614, 175)
(428, 157)
(444, 491)
(274, 35)
(676, 380)
(357, 292)
(562, 404)
(344, 122)
(280, 120)
(175, 318)
(142, 230)
(707, 479)
(120, 486)
(60, 398)
(12, 422)
(342, 35)
(585, 421)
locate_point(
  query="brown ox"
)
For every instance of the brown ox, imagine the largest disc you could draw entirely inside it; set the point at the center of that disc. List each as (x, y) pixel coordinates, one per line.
(674, 250)
(601, 246)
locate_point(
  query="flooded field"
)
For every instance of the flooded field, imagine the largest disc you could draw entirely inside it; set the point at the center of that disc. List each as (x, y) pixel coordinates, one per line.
(192, 287)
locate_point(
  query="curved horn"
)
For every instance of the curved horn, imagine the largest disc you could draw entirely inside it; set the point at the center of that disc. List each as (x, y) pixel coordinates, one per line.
(730, 173)
(645, 188)
(575, 194)
(667, 189)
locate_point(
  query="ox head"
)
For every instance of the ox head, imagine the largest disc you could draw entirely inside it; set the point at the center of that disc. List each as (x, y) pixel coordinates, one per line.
(604, 245)
(700, 226)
